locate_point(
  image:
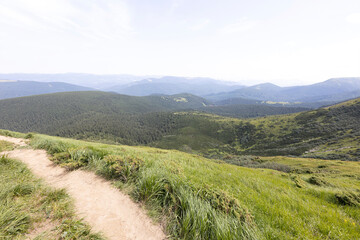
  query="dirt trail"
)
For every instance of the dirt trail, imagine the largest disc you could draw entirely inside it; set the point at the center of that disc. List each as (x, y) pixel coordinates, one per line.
(17, 141)
(105, 208)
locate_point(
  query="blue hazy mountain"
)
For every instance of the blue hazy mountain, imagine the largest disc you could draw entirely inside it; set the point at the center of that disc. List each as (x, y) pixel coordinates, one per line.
(174, 85)
(13, 89)
(95, 81)
(335, 89)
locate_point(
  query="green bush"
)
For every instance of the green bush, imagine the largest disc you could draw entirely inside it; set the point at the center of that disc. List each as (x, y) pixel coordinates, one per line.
(318, 181)
(74, 158)
(349, 198)
(298, 181)
(121, 167)
(29, 136)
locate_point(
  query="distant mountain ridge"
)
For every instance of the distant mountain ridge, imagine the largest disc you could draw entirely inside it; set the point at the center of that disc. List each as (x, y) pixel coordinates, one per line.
(216, 91)
(172, 85)
(13, 89)
(335, 89)
(95, 81)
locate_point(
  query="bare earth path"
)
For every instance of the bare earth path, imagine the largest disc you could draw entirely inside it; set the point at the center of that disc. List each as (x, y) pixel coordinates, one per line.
(105, 208)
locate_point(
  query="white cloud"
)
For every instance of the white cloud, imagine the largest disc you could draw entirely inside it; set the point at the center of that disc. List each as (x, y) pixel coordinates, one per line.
(200, 25)
(96, 19)
(241, 26)
(354, 18)
(175, 4)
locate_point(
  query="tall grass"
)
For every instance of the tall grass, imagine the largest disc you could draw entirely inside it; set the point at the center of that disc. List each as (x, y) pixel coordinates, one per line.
(204, 199)
(12, 134)
(6, 146)
(25, 202)
(192, 213)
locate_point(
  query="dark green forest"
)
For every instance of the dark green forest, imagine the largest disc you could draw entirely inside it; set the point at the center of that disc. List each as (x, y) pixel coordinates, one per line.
(163, 121)
(251, 110)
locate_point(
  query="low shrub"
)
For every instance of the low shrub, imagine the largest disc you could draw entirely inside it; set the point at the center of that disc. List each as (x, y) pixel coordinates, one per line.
(302, 170)
(349, 198)
(221, 201)
(255, 162)
(318, 181)
(298, 181)
(29, 136)
(275, 166)
(121, 167)
(75, 158)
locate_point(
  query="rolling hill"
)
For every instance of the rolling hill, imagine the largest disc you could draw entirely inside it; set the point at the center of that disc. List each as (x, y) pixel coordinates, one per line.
(99, 115)
(111, 116)
(328, 133)
(12, 89)
(165, 122)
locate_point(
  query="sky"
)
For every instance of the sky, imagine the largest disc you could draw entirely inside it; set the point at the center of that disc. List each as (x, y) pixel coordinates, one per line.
(286, 42)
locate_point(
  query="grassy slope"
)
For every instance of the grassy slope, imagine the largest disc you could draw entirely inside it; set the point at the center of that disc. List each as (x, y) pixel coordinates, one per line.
(329, 133)
(26, 204)
(280, 209)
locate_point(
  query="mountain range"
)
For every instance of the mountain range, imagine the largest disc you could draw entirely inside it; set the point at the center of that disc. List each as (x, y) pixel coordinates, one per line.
(14, 88)
(335, 89)
(94, 81)
(214, 91)
(172, 85)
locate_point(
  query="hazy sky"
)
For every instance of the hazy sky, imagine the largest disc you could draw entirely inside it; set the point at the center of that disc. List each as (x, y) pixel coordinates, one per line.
(285, 42)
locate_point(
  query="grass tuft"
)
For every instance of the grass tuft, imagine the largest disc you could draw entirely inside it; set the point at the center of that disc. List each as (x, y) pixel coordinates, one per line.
(25, 202)
(349, 198)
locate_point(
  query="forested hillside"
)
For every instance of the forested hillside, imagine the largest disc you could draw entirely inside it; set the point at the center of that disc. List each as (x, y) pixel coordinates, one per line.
(110, 116)
(155, 120)
(330, 133)
(251, 111)
(99, 115)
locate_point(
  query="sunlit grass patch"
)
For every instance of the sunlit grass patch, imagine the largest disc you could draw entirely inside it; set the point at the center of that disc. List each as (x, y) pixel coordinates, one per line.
(198, 197)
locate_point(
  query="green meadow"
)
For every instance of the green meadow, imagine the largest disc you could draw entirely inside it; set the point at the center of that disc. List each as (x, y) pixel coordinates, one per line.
(200, 198)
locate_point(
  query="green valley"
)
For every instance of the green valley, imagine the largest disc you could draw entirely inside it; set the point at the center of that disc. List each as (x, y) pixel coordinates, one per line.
(164, 122)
